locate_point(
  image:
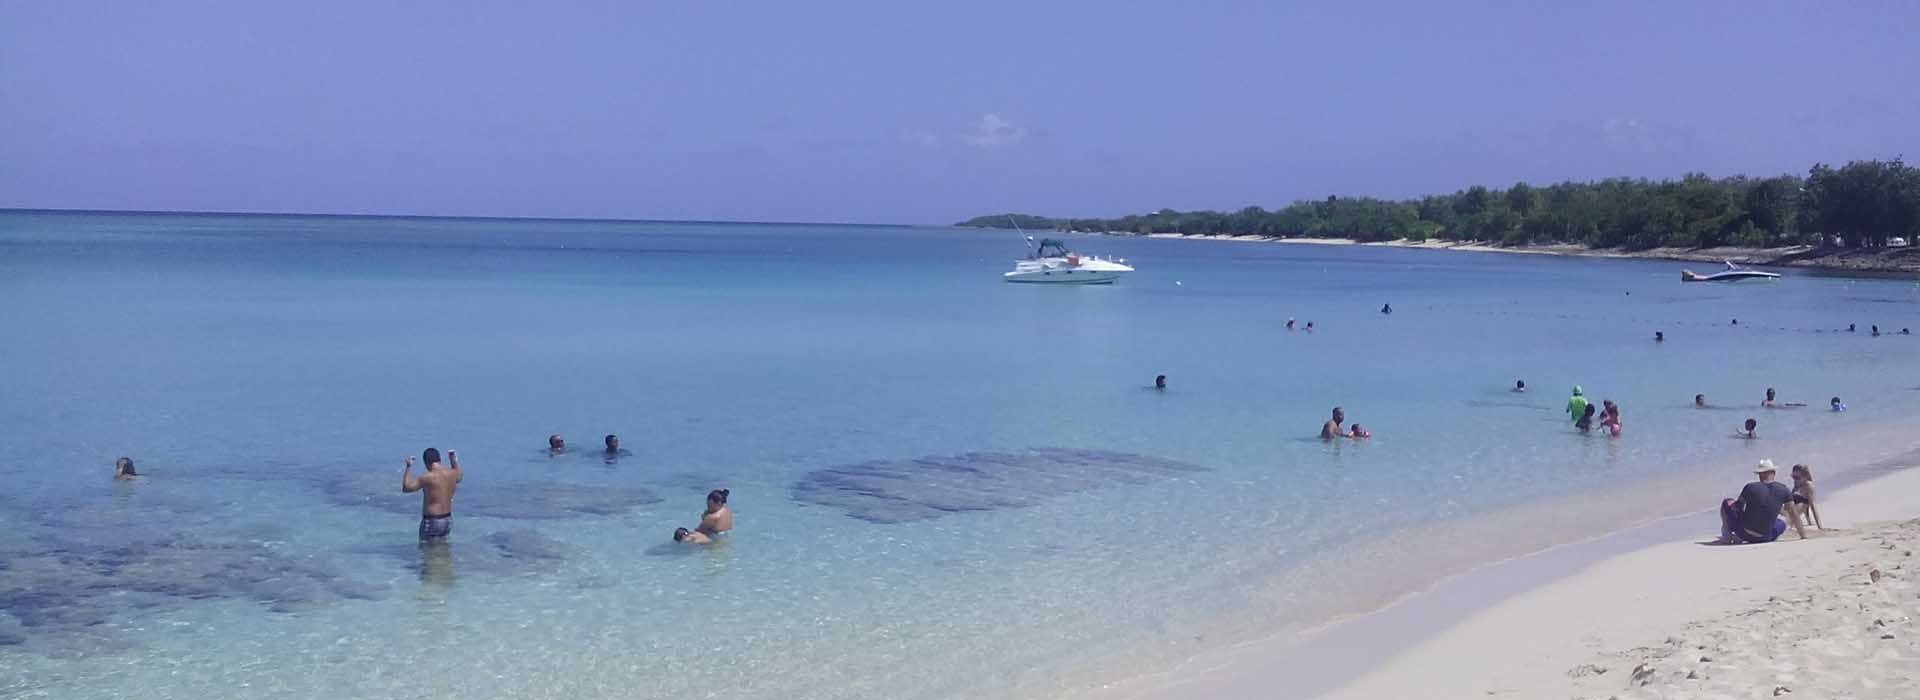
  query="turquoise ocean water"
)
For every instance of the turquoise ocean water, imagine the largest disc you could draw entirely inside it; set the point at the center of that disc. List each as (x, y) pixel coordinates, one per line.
(946, 486)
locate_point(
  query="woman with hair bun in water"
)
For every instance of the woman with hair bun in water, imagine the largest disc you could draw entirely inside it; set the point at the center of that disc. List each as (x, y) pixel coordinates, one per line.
(718, 519)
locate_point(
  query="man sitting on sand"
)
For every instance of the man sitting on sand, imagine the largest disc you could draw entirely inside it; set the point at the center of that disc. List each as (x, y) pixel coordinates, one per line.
(1755, 516)
(1332, 428)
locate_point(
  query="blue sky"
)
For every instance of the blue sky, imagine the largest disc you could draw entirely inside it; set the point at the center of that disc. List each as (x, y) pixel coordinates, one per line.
(919, 112)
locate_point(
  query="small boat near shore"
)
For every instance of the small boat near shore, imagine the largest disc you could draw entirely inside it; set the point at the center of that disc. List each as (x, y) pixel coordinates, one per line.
(1733, 273)
(1052, 263)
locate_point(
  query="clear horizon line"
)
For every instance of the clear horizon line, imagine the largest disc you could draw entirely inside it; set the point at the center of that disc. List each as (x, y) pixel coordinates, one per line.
(215, 212)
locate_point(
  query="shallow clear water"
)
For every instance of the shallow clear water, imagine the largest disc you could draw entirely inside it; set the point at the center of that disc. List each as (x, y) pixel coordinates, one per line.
(944, 483)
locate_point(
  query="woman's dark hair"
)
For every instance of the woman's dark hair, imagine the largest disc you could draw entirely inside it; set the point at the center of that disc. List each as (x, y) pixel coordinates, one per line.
(1589, 411)
(430, 456)
(124, 465)
(680, 534)
(718, 496)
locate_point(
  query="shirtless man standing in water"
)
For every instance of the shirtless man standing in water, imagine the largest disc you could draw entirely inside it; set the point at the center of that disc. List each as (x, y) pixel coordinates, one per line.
(1332, 428)
(436, 505)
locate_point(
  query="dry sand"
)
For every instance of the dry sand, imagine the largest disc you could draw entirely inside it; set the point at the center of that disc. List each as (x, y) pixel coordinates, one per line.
(1832, 616)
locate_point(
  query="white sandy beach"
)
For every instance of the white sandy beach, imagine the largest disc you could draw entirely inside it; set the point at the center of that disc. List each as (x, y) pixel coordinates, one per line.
(1682, 620)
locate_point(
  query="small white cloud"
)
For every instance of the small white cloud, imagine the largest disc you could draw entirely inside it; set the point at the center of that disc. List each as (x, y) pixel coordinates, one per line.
(993, 132)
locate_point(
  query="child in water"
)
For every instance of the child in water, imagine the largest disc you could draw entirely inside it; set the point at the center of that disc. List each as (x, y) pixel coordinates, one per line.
(1747, 431)
(1585, 423)
(1836, 405)
(1359, 433)
(1610, 418)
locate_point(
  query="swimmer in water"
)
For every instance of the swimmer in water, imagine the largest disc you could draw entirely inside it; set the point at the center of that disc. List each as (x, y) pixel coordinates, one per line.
(1520, 386)
(1876, 331)
(1386, 309)
(1332, 428)
(1770, 403)
(718, 519)
(1736, 322)
(686, 536)
(1904, 331)
(556, 445)
(1747, 431)
(1289, 323)
(1359, 433)
(1836, 405)
(1659, 336)
(1610, 417)
(614, 453)
(1849, 328)
(1160, 382)
(1585, 423)
(1309, 326)
(123, 470)
(1699, 400)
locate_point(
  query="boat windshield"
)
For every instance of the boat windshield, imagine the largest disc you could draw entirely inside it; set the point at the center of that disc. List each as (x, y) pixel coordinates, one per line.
(1050, 248)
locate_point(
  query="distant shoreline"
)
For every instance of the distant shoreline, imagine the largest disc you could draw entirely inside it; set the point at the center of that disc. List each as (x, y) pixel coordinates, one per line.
(1898, 260)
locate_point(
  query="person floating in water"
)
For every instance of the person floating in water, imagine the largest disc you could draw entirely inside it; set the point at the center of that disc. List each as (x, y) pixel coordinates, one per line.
(718, 519)
(123, 470)
(1289, 323)
(1520, 386)
(1748, 430)
(1754, 517)
(1309, 326)
(614, 453)
(1160, 381)
(1770, 403)
(1386, 308)
(686, 536)
(556, 445)
(1576, 406)
(438, 483)
(1359, 433)
(1332, 427)
(1849, 328)
(1659, 336)
(1699, 400)
(1836, 405)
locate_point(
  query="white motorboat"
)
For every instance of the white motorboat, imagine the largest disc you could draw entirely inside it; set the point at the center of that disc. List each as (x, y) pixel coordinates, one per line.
(1052, 263)
(1733, 273)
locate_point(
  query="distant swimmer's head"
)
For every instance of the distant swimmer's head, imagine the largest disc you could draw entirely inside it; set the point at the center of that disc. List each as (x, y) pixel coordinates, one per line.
(1904, 331)
(1160, 381)
(1520, 385)
(680, 534)
(556, 443)
(123, 469)
(430, 457)
(1750, 425)
(1736, 322)
(613, 443)
(691, 536)
(1769, 393)
(1339, 414)
(1659, 336)
(716, 499)
(1700, 400)
(1836, 405)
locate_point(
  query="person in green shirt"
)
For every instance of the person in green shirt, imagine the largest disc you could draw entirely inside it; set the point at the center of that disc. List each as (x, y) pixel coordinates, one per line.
(1576, 406)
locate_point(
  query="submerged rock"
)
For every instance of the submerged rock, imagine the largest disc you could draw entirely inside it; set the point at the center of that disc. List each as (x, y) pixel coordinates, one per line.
(537, 501)
(924, 488)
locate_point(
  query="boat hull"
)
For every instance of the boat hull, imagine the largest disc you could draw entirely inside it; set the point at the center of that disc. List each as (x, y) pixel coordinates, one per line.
(1734, 276)
(1065, 277)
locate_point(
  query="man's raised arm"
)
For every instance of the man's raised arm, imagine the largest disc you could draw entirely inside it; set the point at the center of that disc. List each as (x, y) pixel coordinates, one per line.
(408, 484)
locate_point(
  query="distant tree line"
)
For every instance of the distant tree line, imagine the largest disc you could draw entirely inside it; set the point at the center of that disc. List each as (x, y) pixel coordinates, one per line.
(1863, 202)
